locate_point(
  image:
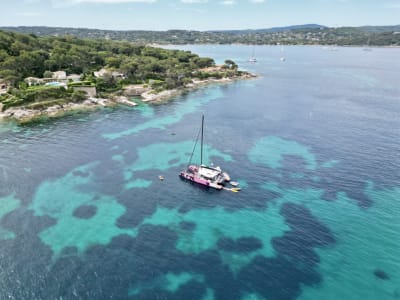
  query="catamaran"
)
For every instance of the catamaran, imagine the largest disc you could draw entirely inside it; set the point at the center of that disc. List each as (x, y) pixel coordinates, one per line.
(202, 174)
(253, 59)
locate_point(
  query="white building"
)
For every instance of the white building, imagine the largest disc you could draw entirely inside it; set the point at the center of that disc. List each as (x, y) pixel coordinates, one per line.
(74, 77)
(59, 75)
(3, 86)
(100, 73)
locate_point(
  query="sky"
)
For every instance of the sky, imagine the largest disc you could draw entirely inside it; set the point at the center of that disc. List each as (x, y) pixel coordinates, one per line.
(197, 14)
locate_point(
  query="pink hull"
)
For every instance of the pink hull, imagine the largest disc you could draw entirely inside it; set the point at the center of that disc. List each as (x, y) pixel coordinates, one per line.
(193, 178)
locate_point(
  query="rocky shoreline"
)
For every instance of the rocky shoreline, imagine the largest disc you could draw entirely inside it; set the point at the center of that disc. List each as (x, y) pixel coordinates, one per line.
(22, 114)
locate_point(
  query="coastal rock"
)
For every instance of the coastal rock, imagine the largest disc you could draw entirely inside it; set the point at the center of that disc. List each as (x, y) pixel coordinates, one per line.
(52, 110)
(124, 100)
(97, 101)
(23, 114)
(135, 89)
(151, 96)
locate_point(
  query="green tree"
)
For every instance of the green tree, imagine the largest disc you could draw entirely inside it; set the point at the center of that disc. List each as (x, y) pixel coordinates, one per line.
(230, 64)
(47, 74)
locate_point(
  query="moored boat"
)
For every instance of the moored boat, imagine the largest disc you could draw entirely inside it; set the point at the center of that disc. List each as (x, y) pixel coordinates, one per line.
(252, 59)
(202, 174)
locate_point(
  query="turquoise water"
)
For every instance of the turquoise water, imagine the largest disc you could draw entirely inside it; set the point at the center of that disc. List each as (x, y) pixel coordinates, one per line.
(277, 149)
(314, 142)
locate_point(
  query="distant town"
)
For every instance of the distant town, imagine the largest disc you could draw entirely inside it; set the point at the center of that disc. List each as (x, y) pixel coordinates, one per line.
(308, 34)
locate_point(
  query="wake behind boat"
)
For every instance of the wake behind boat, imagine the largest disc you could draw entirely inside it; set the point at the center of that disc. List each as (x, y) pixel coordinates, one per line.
(202, 174)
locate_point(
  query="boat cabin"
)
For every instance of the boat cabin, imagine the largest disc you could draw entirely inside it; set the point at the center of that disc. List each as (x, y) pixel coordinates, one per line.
(209, 173)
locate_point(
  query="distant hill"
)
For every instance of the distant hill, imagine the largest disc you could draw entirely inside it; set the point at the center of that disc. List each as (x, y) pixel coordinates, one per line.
(273, 29)
(307, 34)
(378, 29)
(295, 27)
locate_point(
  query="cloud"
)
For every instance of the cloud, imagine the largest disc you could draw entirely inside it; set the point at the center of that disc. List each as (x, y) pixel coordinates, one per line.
(228, 2)
(194, 1)
(107, 1)
(257, 1)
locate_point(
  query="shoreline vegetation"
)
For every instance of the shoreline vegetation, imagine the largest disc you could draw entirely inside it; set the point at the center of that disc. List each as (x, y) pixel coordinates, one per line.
(26, 115)
(50, 76)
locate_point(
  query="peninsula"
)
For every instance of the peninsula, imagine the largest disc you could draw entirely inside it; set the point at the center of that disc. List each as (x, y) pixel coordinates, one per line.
(48, 76)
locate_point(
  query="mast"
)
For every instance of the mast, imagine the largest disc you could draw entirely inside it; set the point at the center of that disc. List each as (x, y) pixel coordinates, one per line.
(202, 129)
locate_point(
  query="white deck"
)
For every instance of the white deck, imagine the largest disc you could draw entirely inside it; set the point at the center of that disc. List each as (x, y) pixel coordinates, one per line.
(209, 172)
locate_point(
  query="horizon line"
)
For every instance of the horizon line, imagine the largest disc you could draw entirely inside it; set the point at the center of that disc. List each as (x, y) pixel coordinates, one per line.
(198, 30)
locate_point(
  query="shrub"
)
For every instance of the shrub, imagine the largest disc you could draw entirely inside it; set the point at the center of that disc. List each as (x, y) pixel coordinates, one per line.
(78, 96)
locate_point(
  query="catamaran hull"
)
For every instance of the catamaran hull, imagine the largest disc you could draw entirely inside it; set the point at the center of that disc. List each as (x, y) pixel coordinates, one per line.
(199, 181)
(202, 174)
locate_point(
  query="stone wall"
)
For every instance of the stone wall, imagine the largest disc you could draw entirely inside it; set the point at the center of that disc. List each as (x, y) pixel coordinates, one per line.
(90, 90)
(135, 89)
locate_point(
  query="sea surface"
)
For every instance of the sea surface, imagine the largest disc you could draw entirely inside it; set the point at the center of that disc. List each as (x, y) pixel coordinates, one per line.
(314, 142)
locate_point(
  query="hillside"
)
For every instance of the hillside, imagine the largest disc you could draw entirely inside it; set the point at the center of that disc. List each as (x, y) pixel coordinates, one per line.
(308, 34)
(41, 71)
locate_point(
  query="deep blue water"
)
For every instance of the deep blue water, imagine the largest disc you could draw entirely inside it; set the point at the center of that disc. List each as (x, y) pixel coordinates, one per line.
(314, 142)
